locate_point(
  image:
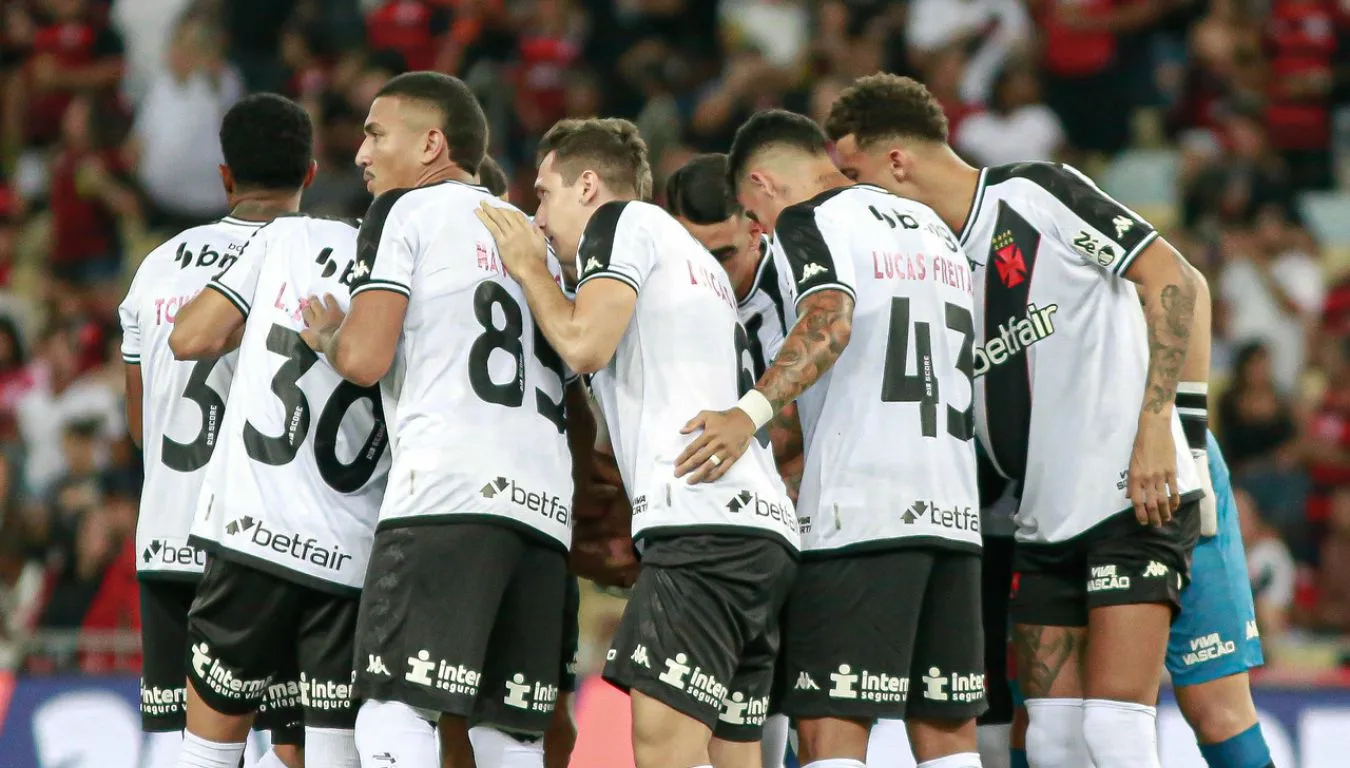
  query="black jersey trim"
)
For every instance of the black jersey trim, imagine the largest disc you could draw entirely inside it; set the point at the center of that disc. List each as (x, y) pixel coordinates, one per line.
(842, 288)
(131, 359)
(481, 518)
(972, 215)
(1123, 265)
(230, 295)
(656, 533)
(611, 274)
(178, 577)
(1009, 271)
(597, 241)
(286, 574)
(808, 253)
(206, 545)
(371, 232)
(764, 265)
(393, 286)
(937, 543)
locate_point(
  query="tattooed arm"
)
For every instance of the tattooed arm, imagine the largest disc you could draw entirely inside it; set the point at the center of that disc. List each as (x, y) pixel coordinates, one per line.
(1169, 287)
(822, 331)
(785, 434)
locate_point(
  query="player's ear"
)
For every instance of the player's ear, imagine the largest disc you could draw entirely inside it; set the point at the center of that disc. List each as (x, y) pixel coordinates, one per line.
(761, 182)
(226, 178)
(433, 144)
(309, 174)
(900, 163)
(588, 186)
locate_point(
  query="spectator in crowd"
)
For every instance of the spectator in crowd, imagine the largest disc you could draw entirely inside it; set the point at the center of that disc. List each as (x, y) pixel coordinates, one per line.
(1255, 419)
(1280, 289)
(180, 118)
(1016, 127)
(990, 30)
(1271, 569)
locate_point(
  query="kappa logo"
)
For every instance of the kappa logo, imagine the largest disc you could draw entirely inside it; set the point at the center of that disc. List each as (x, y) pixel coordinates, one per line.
(811, 270)
(639, 656)
(361, 270)
(1155, 570)
(592, 264)
(1122, 224)
(546, 505)
(805, 683)
(375, 666)
(1253, 631)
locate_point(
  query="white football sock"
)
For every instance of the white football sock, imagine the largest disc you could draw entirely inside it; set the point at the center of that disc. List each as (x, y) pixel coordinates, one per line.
(494, 749)
(1121, 734)
(958, 760)
(391, 732)
(200, 753)
(837, 762)
(269, 759)
(995, 741)
(888, 742)
(1055, 734)
(331, 748)
(773, 741)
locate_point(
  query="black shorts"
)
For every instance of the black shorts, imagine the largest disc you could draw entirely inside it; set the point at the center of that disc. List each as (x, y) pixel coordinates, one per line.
(260, 643)
(890, 634)
(567, 676)
(464, 619)
(700, 633)
(1116, 562)
(995, 589)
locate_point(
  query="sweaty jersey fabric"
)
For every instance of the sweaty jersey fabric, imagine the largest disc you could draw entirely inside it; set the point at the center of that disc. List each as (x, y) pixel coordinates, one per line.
(475, 396)
(890, 459)
(683, 352)
(1062, 347)
(183, 402)
(295, 489)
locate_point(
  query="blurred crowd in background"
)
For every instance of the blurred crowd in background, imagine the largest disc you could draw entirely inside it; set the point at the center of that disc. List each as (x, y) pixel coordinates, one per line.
(1225, 122)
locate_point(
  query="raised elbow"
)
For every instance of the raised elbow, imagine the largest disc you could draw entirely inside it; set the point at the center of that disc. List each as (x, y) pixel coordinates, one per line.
(585, 361)
(363, 368)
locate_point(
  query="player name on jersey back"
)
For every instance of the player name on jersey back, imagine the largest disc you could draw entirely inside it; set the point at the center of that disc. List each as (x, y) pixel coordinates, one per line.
(1062, 345)
(890, 459)
(475, 398)
(684, 351)
(183, 405)
(296, 487)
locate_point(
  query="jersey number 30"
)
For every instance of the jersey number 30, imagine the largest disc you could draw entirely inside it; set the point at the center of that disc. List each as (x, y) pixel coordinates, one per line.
(281, 449)
(899, 386)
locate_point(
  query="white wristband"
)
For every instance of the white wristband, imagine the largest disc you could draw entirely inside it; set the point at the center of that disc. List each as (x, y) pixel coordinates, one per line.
(757, 407)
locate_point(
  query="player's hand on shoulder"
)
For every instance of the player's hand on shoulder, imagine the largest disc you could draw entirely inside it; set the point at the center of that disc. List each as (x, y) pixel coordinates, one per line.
(322, 319)
(1153, 472)
(724, 436)
(519, 243)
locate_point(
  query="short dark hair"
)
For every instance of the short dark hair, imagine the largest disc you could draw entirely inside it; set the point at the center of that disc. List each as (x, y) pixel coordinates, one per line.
(268, 142)
(609, 146)
(698, 190)
(491, 176)
(883, 105)
(462, 119)
(772, 128)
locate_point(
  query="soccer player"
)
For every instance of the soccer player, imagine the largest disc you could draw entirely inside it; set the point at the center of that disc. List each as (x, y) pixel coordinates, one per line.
(884, 621)
(655, 324)
(698, 197)
(462, 613)
(1109, 491)
(175, 409)
(291, 502)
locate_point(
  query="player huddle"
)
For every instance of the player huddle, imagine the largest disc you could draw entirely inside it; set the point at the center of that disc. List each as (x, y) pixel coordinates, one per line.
(371, 450)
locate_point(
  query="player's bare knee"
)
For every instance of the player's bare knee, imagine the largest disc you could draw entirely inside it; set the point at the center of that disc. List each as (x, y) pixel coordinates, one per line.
(931, 738)
(1218, 710)
(829, 737)
(1049, 660)
(212, 725)
(664, 737)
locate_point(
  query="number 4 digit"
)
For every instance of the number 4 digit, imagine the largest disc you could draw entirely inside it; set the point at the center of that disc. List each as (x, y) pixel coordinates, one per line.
(899, 386)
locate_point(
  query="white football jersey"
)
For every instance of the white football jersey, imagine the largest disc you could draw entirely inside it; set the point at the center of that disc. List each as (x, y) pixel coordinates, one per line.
(763, 312)
(296, 487)
(475, 397)
(890, 459)
(1061, 344)
(684, 351)
(183, 405)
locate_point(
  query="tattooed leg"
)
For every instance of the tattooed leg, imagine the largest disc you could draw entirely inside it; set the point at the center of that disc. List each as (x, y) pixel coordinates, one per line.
(1049, 660)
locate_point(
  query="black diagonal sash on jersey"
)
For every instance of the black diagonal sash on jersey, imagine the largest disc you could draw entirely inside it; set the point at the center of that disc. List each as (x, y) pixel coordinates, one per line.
(1007, 387)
